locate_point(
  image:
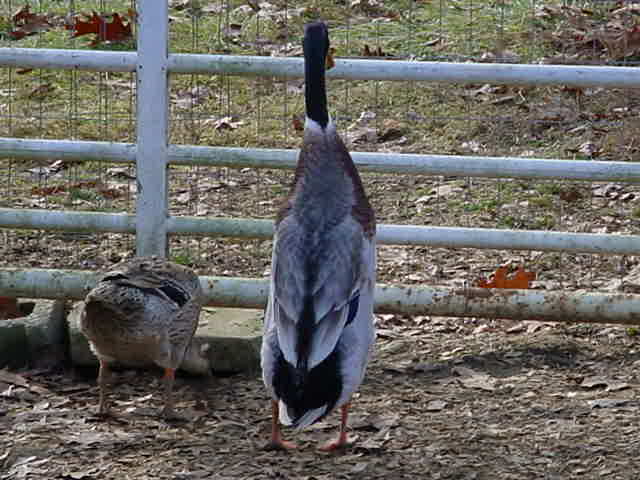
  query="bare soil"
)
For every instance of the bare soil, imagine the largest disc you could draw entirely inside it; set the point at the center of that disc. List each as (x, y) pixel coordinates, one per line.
(443, 399)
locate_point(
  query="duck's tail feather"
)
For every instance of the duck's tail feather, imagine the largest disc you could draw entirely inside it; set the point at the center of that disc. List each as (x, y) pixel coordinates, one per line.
(306, 396)
(287, 416)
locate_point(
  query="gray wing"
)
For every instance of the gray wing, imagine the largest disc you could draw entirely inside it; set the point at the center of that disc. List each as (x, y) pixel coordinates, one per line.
(343, 266)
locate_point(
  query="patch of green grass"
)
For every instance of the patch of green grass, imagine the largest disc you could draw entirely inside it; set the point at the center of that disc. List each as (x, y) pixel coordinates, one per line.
(549, 188)
(183, 257)
(484, 205)
(543, 222)
(508, 221)
(82, 194)
(545, 201)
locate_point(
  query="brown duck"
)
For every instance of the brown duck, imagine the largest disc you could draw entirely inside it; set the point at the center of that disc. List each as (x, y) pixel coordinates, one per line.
(143, 311)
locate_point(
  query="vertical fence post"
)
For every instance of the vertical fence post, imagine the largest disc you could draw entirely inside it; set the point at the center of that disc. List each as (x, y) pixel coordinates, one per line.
(152, 128)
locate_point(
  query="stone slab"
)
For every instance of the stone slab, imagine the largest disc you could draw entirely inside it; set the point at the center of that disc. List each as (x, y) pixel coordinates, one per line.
(79, 350)
(230, 338)
(227, 341)
(14, 350)
(37, 339)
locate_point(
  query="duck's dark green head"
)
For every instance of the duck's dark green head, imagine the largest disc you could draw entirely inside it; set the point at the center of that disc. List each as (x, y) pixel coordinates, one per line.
(316, 47)
(316, 40)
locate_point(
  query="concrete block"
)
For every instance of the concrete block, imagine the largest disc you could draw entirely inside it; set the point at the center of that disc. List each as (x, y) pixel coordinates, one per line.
(79, 350)
(230, 338)
(37, 339)
(227, 341)
(14, 349)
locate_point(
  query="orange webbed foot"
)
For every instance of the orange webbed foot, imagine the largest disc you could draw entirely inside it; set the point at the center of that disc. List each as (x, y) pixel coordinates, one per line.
(340, 443)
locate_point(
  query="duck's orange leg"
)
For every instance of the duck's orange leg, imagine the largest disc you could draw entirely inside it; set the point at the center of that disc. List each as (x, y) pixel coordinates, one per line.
(104, 376)
(168, 380)
(343, 439)
(276, 442)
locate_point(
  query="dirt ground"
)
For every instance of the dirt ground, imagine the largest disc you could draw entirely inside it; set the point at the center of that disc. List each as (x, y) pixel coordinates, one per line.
(443, 399)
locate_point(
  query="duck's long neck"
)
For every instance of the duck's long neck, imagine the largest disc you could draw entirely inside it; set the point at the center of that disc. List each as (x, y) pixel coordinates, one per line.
(315, 91)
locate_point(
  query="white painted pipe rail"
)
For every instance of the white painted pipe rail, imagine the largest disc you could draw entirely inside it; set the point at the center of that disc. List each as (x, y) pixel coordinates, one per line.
(407, 163)
(445, 237)
(63, 59)
(450, 165)
(152, 121)
(462, 73)
(567, 307)
(70, 150)
(449, 72)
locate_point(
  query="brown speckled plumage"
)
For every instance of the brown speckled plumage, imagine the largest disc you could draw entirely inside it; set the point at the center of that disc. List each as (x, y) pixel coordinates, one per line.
(143, 311)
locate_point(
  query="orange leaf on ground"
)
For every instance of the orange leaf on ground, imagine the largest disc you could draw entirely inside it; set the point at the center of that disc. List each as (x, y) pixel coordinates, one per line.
(520, 279)
(23, 15)
(114, 31)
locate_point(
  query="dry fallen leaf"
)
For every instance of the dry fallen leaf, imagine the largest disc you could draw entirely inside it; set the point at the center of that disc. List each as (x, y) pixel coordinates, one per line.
(120, 172)
(570, 195)
(41, 91)
(28, 23)
(436, 405)
(227, 123)
(517, 328)
(472, 379)
(521, 279)
(114, 31)
(607, 402)
(13, 379)
(617, 386)
(391, 132)
(594, 382)
(376, 52)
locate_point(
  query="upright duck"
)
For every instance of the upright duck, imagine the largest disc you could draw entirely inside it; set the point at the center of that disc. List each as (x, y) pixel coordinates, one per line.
(318, 330)
(143, 311)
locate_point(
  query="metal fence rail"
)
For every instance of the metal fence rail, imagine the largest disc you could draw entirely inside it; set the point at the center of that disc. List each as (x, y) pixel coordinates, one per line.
(446, 72)
(568, 307)
(449, 237)
(266, 158)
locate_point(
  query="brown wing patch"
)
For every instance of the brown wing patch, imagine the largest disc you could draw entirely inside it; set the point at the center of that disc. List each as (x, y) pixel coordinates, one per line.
(362, 210)
(284, 210)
